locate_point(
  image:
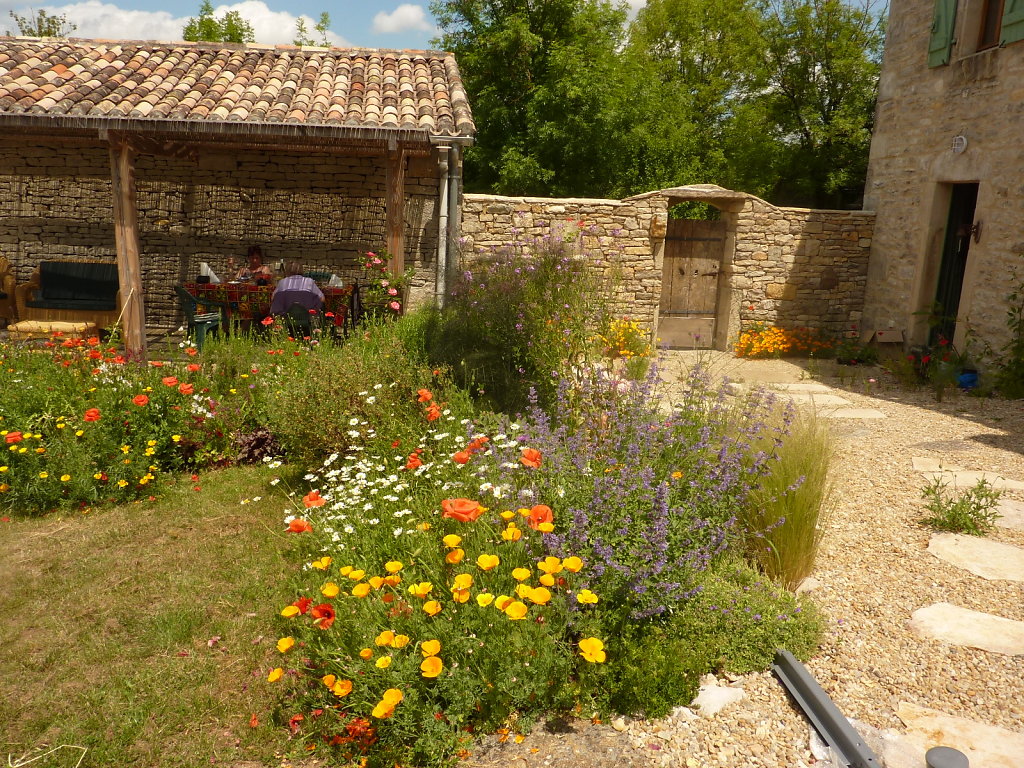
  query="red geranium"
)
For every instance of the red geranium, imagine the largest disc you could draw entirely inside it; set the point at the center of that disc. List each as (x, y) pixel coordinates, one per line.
(141, 400)
(463, 510)
(531, 458)
(540, 514)
(323, 615)
(93, 414)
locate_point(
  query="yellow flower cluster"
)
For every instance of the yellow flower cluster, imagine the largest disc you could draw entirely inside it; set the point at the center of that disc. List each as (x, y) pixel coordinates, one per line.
(772, 341)
(625, 339)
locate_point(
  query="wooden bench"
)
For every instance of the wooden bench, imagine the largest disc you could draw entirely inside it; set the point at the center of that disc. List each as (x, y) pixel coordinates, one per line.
(72, 292)
(46, 329)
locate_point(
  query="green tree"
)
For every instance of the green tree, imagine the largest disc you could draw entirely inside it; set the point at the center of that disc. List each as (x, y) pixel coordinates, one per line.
(41, 24)
(231, 28)
(539, 76)
(822, 61)
(302, 34)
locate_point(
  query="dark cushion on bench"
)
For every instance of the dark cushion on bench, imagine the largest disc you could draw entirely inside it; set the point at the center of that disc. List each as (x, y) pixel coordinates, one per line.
(79, 283)
(101, 305)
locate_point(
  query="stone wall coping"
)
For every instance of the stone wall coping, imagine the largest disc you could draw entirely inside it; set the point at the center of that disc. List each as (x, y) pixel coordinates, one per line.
(474, 197)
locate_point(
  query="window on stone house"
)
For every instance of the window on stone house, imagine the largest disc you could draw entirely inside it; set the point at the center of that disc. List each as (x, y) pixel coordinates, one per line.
(991, 16)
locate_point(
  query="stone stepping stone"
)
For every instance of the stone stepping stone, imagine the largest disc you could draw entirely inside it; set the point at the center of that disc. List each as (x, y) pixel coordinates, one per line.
(806, 387)
(986, 746)
(967, 479)
(1011, 515)
(852, 413)
(991, 560)
(817, 399)
(974, 629)
(927, 464)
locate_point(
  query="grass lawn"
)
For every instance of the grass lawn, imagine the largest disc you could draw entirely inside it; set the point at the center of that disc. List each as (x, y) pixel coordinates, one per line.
(144, 632)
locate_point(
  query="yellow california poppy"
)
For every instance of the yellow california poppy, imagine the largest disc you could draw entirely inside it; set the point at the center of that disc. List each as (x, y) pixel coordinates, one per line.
(431, 666)
(275, 675)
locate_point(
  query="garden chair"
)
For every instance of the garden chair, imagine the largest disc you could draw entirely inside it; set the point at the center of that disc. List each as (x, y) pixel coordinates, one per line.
(299, 320)
(197, 323)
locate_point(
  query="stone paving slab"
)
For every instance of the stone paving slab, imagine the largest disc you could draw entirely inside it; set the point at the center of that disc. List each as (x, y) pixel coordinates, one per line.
(991, 560)
(818, 399)
(986, 746)
(928, 464)
(967, 479)
(807, 387)
(851, 413)
(974, 629)
(1011, 514)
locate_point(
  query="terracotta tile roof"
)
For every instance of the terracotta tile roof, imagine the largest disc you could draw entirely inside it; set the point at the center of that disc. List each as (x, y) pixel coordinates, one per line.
(227, 88)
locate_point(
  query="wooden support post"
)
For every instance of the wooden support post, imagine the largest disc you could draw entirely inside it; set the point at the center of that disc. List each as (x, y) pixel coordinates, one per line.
(126, 238)
(394, 206)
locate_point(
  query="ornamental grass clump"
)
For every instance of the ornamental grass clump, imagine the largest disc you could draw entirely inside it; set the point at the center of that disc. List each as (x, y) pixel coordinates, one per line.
(519, 318)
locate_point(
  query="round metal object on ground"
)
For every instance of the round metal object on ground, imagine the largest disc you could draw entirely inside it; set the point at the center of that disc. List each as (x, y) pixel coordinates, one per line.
(946, 757)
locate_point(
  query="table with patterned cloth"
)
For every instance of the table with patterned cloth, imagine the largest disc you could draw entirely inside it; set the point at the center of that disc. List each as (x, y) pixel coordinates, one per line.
(248, 301)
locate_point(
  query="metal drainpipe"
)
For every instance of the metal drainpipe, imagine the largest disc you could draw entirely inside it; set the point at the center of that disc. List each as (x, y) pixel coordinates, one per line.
(442, 231)
(454, 208)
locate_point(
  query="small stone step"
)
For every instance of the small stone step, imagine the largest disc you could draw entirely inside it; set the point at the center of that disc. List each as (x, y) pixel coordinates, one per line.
(986, 746)
(928, 464)
(973, 629)
(991, 560)
(970, 478)
(851, 413)
(1011, 515)
(817, 399)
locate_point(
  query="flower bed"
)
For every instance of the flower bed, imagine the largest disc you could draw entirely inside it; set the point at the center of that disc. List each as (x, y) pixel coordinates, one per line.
(762, 341)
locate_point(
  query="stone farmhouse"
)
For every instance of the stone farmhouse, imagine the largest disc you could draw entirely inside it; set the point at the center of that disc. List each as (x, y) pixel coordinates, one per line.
(946, 172)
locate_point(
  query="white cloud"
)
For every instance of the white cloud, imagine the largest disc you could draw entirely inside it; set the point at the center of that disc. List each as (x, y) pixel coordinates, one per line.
(404, 18)
(105, 20)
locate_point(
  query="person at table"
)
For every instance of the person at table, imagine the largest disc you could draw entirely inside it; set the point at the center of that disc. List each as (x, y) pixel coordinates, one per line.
(254, 270)
(296, 289)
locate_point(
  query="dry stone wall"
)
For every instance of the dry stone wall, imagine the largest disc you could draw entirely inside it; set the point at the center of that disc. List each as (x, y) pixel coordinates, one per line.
(325, 210)
(617, 237)
(796, 267)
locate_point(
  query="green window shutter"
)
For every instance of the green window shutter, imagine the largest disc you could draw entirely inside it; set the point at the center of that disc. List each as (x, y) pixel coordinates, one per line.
(941, 42)
(1013, 22)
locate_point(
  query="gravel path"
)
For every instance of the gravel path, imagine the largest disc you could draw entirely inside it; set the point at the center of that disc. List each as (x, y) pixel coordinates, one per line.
(874, 572)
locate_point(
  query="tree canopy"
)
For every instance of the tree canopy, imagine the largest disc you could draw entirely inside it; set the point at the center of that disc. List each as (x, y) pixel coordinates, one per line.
(230, 28)
(774, 97)
(42, 24)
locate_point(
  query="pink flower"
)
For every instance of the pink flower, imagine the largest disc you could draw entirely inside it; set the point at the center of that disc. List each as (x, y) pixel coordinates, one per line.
(385, 283)
(395, 305)
(392, 292)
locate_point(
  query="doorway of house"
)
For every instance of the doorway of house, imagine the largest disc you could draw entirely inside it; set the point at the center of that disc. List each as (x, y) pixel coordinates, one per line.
(689, 282)
(955, 248)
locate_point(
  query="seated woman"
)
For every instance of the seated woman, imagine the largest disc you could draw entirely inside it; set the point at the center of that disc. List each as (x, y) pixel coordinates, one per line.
(254, 269)
(296, 289)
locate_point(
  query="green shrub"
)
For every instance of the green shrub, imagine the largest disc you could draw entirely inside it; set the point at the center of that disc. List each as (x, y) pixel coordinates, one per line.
(973, 511)
(519, 319)
(783, 519)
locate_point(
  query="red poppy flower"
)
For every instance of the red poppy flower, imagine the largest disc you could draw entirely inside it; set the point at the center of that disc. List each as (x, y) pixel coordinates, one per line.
(170, 381)
(157, 363)
(531, 458)
(313, 499)
(13, 437)
(413, 462)
(462, 457)
(141, 400)
(433, 412)
(293, 722)
(540, 514)
(303, 604)
(93, 341)
(191, 351)
(93, 414)
(186, 389)
(463, 510)
(323, 615)
(268, 320)
(95, 354)
(298, 525)
(120, 360)
(193, 367)
(424, 395)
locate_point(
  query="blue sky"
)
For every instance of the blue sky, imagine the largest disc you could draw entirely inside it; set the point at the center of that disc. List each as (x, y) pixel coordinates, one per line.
(365, 23)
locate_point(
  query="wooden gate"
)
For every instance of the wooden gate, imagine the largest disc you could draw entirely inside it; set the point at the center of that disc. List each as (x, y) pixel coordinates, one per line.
(689, 282)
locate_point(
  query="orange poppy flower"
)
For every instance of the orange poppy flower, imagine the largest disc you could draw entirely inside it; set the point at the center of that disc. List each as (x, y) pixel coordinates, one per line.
(431, 666)
(141, 400)
(93, 414)
(424, 395)
(433, 412)
(193, 367)
(169, 381)
(186, 389)
(303, 604)
(413, 462)
(462, 457)
(313, 499)
(298, 525)
(463, 510)
(531, 458)
(13, 437)
(268, 320)
(540, 514)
